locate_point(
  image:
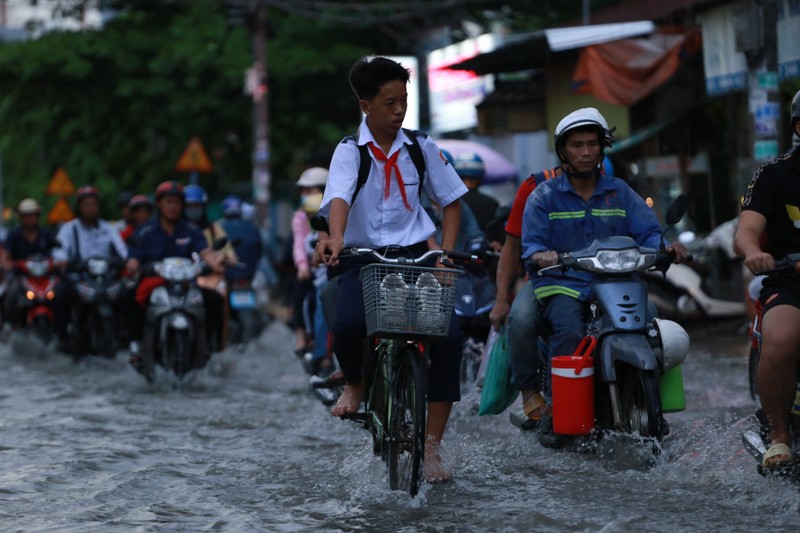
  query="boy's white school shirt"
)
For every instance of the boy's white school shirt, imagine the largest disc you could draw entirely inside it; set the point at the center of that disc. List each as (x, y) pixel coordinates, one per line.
(375, 221)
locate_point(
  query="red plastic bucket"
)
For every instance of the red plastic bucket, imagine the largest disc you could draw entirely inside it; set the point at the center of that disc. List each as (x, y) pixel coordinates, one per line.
(573, 390)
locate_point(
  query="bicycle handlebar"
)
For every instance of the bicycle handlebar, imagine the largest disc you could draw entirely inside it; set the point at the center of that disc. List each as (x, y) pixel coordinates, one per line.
(445, 255)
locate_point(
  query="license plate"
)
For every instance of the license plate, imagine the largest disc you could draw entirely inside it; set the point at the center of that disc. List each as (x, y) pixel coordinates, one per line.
(243, 300)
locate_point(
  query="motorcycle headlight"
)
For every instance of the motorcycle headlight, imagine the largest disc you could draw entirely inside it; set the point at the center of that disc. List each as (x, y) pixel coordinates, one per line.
(618, 261)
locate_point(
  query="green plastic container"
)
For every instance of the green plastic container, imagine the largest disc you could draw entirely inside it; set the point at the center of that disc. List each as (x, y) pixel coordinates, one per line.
(673, 397)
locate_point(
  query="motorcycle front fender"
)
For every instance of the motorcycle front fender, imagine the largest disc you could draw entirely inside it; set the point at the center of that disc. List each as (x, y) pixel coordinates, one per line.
(629, 348)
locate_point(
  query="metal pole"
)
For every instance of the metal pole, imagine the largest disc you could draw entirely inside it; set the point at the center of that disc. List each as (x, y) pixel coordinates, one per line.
(261, 149)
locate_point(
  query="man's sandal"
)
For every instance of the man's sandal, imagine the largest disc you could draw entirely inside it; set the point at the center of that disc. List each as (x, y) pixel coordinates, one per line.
(534, 406)
(778, 455)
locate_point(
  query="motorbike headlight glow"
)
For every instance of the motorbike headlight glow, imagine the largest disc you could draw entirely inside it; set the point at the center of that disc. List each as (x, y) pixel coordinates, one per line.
(51, 295)
(30, 295)
(618, 261)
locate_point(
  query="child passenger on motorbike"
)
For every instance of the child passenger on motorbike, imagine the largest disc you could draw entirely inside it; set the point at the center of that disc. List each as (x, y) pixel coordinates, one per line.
(771, 207)
(387, 212)
(567, 213)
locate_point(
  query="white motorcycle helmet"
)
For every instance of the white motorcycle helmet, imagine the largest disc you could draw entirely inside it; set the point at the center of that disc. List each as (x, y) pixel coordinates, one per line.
(672, 341)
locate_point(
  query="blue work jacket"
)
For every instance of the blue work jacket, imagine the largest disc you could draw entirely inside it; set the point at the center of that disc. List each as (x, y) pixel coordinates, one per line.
(154, 244)
(557, 218)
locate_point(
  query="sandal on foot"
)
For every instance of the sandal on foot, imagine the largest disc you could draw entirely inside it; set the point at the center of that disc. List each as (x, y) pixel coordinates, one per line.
(534, 406)
(778, 455)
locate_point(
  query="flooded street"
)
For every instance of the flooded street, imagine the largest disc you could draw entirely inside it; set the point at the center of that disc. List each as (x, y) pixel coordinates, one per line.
(246, 447)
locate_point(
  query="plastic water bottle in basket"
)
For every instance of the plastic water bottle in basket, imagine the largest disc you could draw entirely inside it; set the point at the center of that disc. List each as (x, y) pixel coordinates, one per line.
(429, 302)
(393, 296)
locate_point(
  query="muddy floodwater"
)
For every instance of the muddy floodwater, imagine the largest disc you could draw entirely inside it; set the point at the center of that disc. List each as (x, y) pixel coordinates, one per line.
(245, 447)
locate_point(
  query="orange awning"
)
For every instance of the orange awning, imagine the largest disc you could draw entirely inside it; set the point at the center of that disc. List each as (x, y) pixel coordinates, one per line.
(626, 71)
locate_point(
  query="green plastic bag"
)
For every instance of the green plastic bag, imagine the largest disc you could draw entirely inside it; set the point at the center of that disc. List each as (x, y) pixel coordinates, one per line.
(498, 392)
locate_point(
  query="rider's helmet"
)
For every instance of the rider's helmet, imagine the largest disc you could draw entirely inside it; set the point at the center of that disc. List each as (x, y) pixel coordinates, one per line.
(674, 342)
(469, 165)
(195, 194)
(85, 192)
(585, 118)
(232, 206)
(795, 109)
(169, 187)
(313, 177)
(29, 206)
(124, 198)
(140, 200)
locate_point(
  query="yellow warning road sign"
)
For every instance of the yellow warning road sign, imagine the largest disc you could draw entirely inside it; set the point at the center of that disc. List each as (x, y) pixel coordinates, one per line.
(194, 158)
(60, 213)
(60, 184)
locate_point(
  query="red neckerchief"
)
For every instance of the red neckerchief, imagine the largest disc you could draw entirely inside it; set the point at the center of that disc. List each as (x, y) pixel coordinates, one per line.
(388, 165)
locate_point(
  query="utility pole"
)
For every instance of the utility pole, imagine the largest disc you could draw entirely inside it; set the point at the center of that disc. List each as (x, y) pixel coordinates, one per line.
(260, 88)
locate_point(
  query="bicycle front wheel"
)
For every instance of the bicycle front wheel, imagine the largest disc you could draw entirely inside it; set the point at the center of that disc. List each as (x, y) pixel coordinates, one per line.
(406, 424)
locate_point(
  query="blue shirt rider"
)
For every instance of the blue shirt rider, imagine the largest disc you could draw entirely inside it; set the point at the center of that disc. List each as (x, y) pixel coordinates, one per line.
(569, 212)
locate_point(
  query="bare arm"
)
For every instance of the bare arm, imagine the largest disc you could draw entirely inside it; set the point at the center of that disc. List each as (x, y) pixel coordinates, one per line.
(328, 250)
(747, 241)
(451, 218)
(506, 273)
(5, 260)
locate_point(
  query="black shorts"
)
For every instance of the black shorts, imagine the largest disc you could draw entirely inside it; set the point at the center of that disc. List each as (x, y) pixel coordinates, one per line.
(779, 292)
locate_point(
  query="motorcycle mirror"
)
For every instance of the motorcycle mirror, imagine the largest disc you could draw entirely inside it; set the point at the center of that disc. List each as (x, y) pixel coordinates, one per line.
(677, 210)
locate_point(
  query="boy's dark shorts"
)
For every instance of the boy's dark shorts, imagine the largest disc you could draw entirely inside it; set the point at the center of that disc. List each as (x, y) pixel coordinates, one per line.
(780, 292)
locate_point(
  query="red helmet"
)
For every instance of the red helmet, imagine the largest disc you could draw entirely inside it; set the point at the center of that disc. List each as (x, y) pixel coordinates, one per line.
(169, 187)
(86, 190)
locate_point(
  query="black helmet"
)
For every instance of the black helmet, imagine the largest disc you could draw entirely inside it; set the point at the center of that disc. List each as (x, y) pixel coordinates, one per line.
(795, 109)
(124, 198)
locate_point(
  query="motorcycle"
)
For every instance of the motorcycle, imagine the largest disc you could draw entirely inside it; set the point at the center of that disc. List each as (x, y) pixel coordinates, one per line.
(756, 441)
(631, 354)
(93, 321)
(683, 294)
(475, 297)
(174, 332)
(39, 277)
(246, 319)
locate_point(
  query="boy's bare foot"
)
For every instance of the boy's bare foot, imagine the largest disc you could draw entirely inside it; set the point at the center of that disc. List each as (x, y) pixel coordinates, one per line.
(433, 469)
(350, 400)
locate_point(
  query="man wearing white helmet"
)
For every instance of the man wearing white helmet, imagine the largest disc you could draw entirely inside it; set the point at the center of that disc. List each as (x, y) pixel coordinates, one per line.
(22, 242)
(771, 209)
(567, 213)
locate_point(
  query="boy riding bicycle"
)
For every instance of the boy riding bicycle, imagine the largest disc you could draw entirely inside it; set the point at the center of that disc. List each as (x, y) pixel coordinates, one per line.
(385, 211)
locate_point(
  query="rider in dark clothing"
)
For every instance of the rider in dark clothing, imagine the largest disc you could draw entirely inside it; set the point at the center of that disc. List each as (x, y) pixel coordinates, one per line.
(168, 235)
(26, 240)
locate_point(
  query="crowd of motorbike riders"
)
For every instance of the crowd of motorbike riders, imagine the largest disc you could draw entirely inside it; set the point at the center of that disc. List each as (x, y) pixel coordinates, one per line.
(174, 223)
(88, 284)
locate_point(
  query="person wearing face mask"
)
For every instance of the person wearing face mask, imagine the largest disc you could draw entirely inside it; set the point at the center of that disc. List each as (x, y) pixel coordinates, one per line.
(567, 213)
(311, 182)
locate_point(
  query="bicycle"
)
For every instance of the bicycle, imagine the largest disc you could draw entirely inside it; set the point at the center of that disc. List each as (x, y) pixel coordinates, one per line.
(406, 305)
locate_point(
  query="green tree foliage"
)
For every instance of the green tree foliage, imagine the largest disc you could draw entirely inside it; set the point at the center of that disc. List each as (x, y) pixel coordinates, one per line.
(116, 107)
